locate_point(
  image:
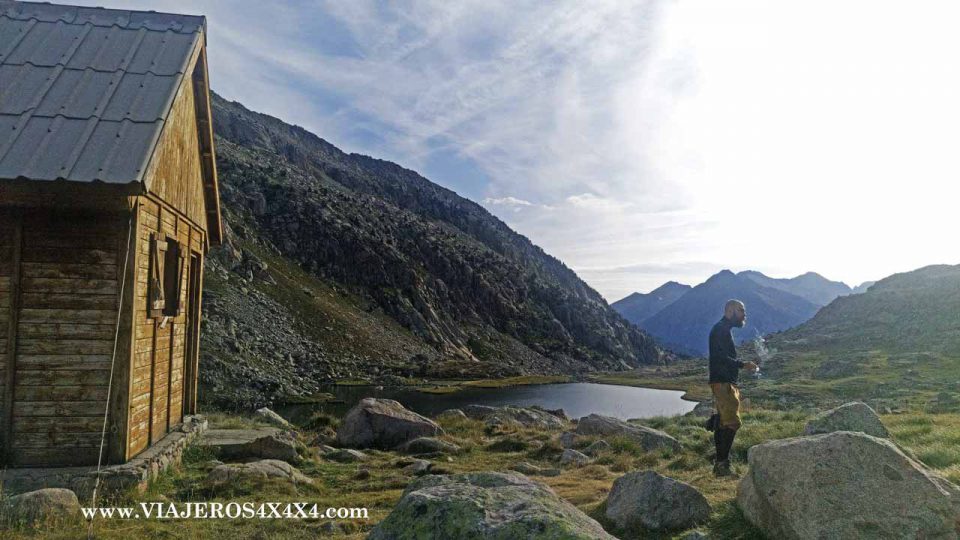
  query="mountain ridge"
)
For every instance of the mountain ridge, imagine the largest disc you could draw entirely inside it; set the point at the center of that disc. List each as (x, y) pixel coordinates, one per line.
(685, 324)
(450, 289)
(637, 307)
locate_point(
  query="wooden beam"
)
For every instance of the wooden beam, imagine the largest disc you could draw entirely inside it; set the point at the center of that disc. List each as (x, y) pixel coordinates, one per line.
(12, 322)
(123, 363)
(195, 353)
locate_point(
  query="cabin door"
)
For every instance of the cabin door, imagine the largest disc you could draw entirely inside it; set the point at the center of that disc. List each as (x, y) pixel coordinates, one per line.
(193, 337)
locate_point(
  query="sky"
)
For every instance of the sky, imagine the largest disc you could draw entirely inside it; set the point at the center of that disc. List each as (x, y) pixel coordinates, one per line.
(638, 142)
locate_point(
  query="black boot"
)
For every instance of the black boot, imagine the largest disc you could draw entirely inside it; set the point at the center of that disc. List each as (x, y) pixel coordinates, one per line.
(728, 442)
(724, 441)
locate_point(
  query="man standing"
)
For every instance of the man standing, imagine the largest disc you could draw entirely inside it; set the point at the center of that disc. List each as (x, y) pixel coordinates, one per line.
(724, 372)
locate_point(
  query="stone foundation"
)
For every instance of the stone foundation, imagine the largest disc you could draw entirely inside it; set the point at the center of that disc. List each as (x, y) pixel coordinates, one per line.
(134, 474)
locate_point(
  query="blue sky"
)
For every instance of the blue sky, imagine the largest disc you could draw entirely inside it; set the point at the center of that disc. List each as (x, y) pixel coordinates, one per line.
(639, 142)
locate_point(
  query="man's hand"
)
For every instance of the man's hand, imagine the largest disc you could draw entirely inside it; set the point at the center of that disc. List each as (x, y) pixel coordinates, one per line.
(751, 367)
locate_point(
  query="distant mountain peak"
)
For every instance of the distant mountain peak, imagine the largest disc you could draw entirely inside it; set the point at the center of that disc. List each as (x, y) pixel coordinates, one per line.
(685, 323)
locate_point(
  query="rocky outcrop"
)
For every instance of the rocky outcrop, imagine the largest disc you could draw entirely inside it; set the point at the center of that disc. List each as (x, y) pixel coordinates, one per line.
(648, 438)
(845, 484)
(48, 504)
(650, 500)
(485, 505)
(383, 423)
(853, 416)
(255, 471)
(457, 293)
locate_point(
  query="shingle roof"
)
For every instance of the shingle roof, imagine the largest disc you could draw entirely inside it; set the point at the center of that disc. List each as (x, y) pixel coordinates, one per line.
(84, 91)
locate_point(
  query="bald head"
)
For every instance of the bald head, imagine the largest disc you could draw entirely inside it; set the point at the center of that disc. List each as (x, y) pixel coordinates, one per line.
(735, 312)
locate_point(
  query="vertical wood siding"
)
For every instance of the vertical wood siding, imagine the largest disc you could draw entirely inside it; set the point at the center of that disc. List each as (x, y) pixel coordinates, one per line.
(174, 174)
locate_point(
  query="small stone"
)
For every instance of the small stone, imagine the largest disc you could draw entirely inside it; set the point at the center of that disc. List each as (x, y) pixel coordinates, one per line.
(272, 418)
(426, 445)
(572, 457)
(419, 467)
(526, 468)
(567, 439)
(452, 414)
(596, 448)
(347, 455)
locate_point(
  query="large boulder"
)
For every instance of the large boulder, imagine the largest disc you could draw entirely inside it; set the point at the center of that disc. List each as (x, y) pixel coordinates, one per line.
(653, 501)
(845, 484)
(48, 504)
(853, 416)
(485, 505)
(648, 438)
(383, 423)
(256, 471)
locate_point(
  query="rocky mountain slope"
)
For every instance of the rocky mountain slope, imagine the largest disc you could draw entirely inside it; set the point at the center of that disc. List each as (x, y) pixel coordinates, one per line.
(344, 266)
(685, 324)
(637, 307)
(897, 344)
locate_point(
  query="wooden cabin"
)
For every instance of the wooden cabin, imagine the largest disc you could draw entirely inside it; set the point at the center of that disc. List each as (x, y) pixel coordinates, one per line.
(108, 204)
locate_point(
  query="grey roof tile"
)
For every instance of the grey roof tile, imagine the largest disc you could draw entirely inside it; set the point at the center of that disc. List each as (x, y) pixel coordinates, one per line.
(84, 92)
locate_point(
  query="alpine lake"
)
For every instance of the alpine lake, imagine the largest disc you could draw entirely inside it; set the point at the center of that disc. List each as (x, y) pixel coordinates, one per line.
(576, 399)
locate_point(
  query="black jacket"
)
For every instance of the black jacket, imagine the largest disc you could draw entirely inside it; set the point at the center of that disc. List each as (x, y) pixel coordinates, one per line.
(724, 366)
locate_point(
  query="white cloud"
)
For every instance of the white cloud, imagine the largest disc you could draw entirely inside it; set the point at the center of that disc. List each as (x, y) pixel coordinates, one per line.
(692, 135)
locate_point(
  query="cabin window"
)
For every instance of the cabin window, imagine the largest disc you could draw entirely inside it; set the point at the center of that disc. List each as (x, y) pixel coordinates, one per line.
(166, 277)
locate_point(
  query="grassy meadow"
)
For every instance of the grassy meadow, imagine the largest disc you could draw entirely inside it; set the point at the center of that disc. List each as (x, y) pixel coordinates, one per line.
(933, 439)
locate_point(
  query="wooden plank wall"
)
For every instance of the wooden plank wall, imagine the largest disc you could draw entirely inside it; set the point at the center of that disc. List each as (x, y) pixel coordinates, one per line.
(175, 174)
(174, 207)
(7, 225)
(157, 385)
(65, 329)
